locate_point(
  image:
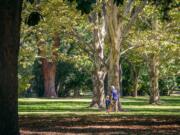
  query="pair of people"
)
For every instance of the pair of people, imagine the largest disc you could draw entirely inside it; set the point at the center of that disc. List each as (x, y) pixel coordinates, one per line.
(114, 101)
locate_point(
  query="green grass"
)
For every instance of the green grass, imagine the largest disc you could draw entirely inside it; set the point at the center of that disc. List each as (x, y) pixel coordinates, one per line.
(72, 107)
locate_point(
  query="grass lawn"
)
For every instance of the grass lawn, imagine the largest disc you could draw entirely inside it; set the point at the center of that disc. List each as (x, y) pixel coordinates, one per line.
(132, 106)
(72, 116)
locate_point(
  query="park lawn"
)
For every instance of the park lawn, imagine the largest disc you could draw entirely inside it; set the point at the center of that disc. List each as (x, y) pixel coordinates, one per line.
(42, 116)
(79, 107)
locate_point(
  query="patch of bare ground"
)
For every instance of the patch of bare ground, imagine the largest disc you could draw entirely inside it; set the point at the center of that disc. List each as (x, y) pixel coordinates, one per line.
(100, 125)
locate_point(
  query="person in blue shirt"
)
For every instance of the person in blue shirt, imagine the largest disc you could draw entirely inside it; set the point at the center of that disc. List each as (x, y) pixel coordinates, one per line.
(115, 98)
(108, 103)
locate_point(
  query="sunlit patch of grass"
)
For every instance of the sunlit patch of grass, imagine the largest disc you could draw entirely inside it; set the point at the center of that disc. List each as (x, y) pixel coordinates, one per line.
(69, 107)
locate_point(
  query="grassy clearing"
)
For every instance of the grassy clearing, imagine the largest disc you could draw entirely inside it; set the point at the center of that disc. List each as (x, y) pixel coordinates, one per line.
(72, 116)
(79, 107)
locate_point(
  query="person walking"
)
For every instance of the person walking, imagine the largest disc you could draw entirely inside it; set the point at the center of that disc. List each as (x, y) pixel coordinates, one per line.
(115, 98)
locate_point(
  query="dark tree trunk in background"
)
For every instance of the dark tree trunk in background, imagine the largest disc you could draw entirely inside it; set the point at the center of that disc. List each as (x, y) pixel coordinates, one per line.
(135, 73)
(106, 85)
(76, 92)
(49, 72)
(120, 81)
(10, 11)
(49, 67)
(135, 87)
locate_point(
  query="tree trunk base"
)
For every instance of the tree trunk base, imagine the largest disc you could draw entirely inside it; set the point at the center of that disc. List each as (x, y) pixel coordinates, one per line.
(96, 105)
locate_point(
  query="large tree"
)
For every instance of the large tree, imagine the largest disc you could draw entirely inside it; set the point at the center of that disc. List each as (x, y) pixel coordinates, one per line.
(52, 30)
(157, 49)
(99, 70)
(119, 21)
(10, 12)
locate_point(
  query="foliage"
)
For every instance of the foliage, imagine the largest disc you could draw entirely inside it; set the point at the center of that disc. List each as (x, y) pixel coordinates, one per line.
(159, 38)
(71, 78)
(38, 81)
(74, 63)
(127, 81)
(26, 59)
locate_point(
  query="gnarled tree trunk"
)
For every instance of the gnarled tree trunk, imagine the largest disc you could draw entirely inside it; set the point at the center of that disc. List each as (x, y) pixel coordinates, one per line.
(153, 63)
(10, 11)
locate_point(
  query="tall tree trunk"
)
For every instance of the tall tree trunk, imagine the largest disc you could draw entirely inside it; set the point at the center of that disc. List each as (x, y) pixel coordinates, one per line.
(10, 12)
(114, 69)
(99, 67)
(49, 67)
(76, 92)
(115, 35)
(120, 82)
(98, 89)
(135, 87)
(106, 85)
(153, 63)
(118, 28)
(49, 72)
(135, 81)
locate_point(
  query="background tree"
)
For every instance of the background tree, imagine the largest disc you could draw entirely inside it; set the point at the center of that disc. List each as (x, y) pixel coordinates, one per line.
(156, 48)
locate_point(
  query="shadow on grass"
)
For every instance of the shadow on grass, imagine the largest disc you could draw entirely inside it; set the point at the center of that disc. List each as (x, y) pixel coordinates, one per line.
(94, 124)
(154, 110)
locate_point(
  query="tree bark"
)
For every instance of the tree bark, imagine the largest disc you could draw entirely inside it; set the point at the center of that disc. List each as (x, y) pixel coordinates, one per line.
(120, 77)
(76, 92)
(118, 28)
(98, 99)
(49, 69)
(114, 69)
(115, 34)
(153, 63)
(135, 81)
(99, 72)
(49, 72)
(10, 12)
(135, 87)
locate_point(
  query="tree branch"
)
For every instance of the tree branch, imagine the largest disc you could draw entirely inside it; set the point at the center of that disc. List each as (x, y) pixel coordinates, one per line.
(130, 48)
(128, 7)
(134, 15)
